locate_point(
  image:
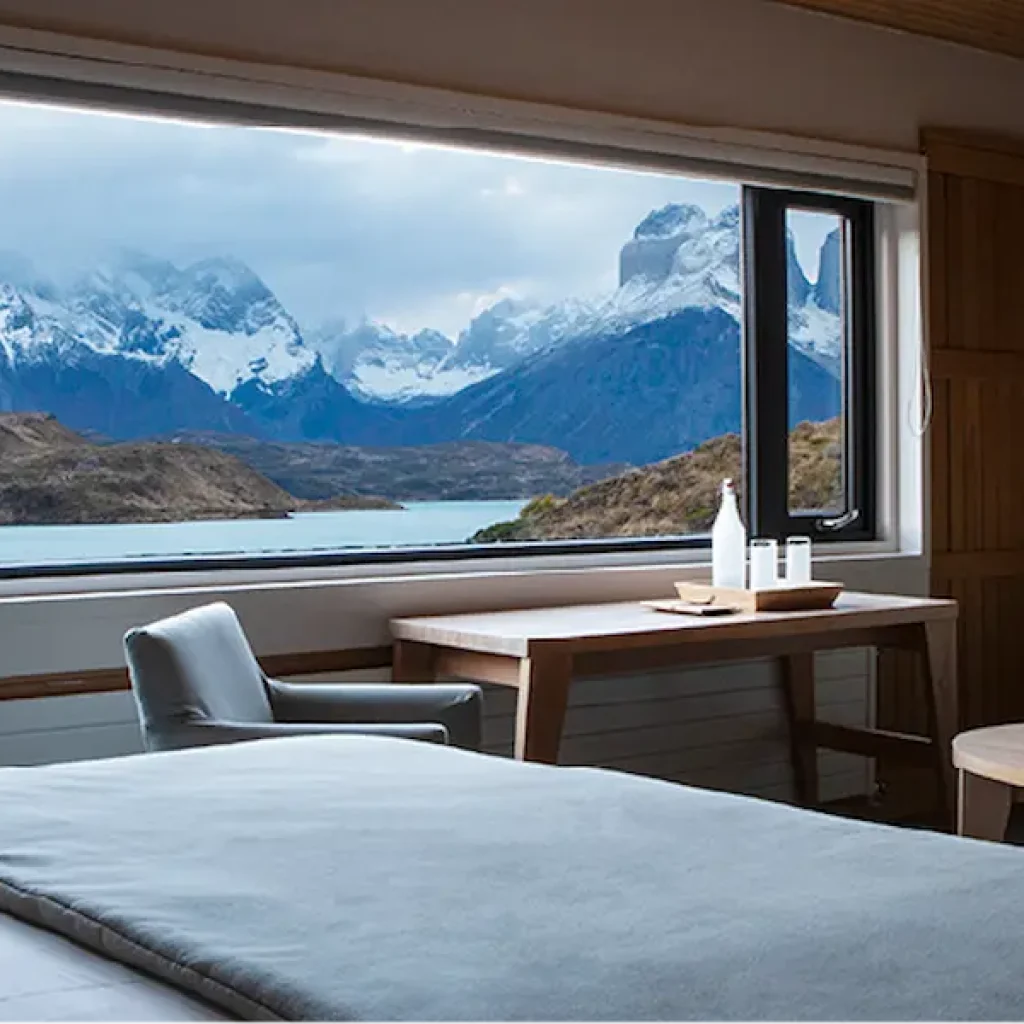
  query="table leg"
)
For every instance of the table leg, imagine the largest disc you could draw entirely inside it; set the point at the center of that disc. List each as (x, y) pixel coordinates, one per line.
(540, 710)
(938, 642)
(983, 807)
(413, 662)
(799, 695)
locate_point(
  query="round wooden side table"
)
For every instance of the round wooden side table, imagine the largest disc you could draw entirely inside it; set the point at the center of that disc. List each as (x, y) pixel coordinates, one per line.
(990, 768)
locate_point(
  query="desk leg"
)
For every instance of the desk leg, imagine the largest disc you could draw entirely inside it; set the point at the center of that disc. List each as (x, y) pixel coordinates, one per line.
(540, 710)
(801, 710)
(938, 646)
(412, 662)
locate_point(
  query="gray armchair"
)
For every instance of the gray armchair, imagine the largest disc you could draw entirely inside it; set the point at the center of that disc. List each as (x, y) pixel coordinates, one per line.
(197, 682)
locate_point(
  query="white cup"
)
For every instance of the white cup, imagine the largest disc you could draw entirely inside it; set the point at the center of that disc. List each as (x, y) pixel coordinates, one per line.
(764, 564)
(798, 560)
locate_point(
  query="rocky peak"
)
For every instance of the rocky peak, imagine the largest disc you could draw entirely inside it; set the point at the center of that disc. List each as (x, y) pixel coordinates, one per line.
(713, 251)
(374, 361)
(431, 343)
(728, 219)
(343, 346)
(672, 221)
(505, 333)
(15, 313)
(797, 286)
(224, 294)
(829, 284)
(145, 273)
(651, 252)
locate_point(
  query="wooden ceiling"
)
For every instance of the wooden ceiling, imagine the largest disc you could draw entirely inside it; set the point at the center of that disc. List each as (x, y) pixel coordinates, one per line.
(995, 25)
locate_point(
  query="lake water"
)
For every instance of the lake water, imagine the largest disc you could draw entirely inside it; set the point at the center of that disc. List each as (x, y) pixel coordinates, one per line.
(419, 523)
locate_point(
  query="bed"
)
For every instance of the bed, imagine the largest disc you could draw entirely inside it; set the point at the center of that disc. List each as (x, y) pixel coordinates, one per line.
(371, 878)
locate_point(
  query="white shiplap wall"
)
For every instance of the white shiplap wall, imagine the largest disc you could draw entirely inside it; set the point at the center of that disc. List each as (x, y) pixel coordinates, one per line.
(68, 728)
(721, 726)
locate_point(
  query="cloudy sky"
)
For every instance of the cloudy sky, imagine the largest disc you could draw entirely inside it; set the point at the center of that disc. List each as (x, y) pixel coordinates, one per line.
(416, 236)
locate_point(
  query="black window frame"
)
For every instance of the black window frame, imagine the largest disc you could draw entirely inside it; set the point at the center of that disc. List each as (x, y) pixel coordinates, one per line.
(766, 380)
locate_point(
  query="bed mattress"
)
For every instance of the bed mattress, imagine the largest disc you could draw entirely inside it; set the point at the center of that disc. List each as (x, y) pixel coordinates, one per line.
(366, 878)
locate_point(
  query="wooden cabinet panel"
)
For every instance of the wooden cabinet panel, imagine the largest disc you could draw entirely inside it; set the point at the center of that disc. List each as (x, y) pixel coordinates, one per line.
(975, 288)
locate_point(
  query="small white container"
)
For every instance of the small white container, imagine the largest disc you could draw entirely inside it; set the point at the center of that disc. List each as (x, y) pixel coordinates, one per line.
(798, 560)
(729, 543)
(764, 564)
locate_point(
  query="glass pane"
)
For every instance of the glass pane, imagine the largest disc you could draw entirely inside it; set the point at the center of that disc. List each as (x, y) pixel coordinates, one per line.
(816, 360)
(226, 340)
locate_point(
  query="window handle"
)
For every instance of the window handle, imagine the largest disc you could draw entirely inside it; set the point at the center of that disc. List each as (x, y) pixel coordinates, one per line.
(834, 523)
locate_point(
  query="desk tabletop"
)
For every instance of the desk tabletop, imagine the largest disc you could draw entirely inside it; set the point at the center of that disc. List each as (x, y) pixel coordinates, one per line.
(594, 627)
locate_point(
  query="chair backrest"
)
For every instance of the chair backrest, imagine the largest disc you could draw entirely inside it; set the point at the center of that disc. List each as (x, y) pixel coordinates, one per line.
(196, 666)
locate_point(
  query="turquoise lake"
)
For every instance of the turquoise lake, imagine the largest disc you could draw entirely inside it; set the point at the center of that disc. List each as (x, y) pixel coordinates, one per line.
(417, 524)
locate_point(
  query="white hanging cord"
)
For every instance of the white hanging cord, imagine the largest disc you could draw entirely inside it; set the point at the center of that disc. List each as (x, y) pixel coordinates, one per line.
(921, 407)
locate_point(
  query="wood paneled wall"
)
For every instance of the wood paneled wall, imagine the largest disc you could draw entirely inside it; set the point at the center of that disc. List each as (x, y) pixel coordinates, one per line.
(975, 230)
(975, 289)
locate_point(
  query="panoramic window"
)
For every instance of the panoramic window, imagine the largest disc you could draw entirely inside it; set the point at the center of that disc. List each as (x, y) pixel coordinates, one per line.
(223, 342)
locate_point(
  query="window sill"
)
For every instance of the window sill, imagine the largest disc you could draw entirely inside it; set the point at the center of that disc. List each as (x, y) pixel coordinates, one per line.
(836, 561)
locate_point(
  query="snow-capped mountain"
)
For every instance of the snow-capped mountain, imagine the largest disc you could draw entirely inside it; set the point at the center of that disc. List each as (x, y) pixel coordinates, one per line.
(138, 346)
(678, 258)
(377, 363)
(214, 318)
(513, 330)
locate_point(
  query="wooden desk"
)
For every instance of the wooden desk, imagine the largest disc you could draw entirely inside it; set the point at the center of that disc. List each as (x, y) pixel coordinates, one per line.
(538, 651)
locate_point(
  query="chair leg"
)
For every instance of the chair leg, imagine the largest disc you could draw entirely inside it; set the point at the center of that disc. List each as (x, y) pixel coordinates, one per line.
(983, 807)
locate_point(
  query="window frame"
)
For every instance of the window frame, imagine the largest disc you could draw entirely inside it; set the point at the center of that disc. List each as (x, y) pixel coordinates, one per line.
(448, 554)
(766, 309)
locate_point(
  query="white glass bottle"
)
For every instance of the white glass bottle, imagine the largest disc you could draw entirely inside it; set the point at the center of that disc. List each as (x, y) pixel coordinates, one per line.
(728, 542)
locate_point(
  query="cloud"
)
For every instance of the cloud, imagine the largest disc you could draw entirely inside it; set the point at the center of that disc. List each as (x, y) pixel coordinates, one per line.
(414, 234)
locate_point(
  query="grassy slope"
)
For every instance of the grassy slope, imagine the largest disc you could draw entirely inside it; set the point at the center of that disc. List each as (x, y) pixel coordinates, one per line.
(677, 496)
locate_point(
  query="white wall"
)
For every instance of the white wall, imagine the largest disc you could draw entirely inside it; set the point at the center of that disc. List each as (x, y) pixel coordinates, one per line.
(743, 63)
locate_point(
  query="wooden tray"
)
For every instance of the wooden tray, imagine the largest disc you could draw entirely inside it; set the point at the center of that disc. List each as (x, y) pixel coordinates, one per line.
(783, 598)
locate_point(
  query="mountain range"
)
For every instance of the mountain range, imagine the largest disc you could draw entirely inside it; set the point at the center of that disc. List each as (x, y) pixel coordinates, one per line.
(140, 347)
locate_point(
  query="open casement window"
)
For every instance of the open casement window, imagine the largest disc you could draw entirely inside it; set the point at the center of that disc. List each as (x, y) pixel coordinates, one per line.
(794, 328)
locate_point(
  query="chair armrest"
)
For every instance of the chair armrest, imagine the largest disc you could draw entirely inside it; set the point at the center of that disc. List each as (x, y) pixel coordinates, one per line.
(206, 733)
(457, 706)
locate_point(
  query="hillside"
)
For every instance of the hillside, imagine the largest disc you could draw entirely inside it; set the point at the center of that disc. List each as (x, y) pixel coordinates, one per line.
(30, 432)
(48, 475)
(455, 471)
(676, 497)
